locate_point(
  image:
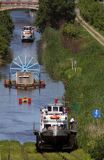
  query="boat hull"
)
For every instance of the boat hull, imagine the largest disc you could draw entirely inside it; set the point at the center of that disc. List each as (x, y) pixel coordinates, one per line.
(63, 140)
(27, 39)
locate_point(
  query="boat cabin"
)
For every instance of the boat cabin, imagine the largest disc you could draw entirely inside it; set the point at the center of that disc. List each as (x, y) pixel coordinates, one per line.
(54, 115)
(27, 28)
(54, 109)
(24, 78)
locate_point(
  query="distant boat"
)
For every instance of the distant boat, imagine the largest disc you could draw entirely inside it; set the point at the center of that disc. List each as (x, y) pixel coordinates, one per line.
(27, 34)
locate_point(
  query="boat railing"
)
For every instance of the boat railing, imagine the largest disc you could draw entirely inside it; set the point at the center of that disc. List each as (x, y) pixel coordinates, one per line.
(36, 126)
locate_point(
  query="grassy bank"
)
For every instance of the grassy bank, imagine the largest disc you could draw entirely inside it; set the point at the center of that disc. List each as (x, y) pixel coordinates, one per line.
(13, 150)
(83, 83)
(6, 27)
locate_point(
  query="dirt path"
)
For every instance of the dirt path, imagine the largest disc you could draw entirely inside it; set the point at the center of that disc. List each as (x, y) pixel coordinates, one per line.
(89, 28)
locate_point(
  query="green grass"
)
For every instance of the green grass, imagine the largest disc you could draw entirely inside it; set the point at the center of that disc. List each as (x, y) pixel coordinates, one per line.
(29, 147)
(36, 156)
(51, 156)
(83, 87)
(16, 151)
(4, 150)
(13, 150)
(81, 155)
(67, 156)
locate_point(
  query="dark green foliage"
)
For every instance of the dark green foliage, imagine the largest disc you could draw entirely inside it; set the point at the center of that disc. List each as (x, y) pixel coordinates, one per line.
(70, 30)
(98, 151)
(6, 27)
(54, 13)
(3, 47)
(6, 20)
(93, 12)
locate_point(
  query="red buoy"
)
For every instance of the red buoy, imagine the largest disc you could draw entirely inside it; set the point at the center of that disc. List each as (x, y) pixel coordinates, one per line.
(29, 100)
(20, 100)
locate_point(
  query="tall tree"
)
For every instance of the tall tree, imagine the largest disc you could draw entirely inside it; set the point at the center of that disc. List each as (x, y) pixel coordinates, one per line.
(54, 12)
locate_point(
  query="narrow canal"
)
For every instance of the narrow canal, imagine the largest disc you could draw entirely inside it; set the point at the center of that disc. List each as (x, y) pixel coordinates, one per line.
(16, 121)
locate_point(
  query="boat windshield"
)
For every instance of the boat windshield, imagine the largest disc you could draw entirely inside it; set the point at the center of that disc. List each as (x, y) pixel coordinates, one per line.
(61, 109)
(55, 108)
(49, 108)
(27, 28)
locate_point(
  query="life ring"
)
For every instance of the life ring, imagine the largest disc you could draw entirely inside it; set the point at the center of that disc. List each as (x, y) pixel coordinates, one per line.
(54, 117)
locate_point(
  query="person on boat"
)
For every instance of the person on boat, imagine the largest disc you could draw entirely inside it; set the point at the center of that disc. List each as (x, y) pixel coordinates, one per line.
(72, 124)
(44, 110)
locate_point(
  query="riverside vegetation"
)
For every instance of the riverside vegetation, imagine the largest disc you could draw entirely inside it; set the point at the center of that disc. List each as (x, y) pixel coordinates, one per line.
(83, 83)
(93, 13)
(13, 150)
(70, 54)
(6, 27)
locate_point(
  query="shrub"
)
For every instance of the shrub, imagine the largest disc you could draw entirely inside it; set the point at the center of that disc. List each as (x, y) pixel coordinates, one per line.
(70, 30)
(98, 151)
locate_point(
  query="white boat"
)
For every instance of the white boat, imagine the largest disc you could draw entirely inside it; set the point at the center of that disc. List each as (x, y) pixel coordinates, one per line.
(55, 133)
(27, 34)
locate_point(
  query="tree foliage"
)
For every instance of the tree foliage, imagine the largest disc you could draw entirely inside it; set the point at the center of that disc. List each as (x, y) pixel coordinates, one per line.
(54, 13)
(70, 30)
(93, 12)
(6, 27)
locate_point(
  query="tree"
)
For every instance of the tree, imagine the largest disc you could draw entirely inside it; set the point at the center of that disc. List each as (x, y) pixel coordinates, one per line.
(6, 27)
(54, 13)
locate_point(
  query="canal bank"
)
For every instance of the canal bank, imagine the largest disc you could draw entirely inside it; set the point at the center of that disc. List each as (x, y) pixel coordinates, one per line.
(17, 151)
(80, 67)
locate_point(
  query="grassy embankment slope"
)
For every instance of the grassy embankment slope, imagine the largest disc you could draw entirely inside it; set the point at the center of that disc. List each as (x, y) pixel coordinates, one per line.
(13, 150)
(84, 86)
(6, 27)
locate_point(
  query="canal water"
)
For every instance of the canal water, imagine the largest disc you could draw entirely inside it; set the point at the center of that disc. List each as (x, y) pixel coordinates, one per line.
(16, 121)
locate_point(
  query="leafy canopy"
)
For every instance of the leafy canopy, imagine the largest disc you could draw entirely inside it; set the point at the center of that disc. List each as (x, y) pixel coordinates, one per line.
(54, 13)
